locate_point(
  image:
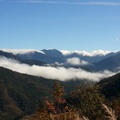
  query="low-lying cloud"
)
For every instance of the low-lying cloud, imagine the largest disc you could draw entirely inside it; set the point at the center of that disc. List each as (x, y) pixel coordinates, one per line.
(76, 61)
(59, 73)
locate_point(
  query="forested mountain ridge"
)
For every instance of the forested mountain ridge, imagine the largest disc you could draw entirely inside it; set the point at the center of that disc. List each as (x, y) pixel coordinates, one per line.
(110, 87)
(88, 102)
(20, 93)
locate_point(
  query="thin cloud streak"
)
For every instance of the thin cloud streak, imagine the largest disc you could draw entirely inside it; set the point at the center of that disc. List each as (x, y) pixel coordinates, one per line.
(73, 3)
(76, 3)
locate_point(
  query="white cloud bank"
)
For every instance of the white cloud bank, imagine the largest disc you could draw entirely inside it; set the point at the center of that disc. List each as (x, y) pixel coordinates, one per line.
(85, 53)
(21, 51)
(59, 73)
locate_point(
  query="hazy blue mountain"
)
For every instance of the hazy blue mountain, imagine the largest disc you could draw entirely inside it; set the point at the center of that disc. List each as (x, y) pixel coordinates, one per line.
(53, 55)
(91, 59)
(8, 55)
(99, 61)
(48, 57)
(19, 59)
(110, 63)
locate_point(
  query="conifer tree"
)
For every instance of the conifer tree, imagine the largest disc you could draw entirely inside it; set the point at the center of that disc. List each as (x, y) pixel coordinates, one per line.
(59, 104)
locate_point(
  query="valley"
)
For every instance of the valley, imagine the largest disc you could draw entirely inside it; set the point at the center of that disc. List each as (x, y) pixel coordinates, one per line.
(27, 77)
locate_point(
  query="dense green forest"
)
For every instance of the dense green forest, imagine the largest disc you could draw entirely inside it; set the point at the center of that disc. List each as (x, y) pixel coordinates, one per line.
(25, 97)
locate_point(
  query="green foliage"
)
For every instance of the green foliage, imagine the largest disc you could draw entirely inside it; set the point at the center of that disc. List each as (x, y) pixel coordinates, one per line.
(88, 102)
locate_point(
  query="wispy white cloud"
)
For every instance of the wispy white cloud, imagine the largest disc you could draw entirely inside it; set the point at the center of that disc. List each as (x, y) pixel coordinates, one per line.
(76, 61)
(57, 2)
(117, 39)
(59, 73)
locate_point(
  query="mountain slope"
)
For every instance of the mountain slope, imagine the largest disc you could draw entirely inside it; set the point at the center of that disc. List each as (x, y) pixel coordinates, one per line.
(20, 93)
(8, 55)
(14, 57)
(110, 87)
(47, 56)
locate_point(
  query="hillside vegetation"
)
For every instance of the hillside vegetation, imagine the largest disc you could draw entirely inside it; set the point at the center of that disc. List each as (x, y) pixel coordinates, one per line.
(88, 103)
(85, 104)
(20, 93)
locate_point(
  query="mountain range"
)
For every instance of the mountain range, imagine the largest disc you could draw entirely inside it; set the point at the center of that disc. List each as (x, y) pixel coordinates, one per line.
(65, 58)
(62, 65)
(95, 61)
(94, 56)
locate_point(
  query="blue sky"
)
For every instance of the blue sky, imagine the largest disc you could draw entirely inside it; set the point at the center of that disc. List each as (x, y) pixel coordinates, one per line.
(60, 24)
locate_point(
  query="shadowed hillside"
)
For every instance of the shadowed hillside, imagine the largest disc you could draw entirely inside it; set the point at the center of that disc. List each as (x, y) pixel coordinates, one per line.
(110, 87)
(20, 93)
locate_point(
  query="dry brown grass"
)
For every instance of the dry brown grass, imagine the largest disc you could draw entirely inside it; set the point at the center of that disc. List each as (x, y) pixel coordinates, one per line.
(110, 112)
(70, 116)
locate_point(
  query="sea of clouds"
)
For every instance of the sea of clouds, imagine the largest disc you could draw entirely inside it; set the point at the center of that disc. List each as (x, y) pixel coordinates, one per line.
(50, 72)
